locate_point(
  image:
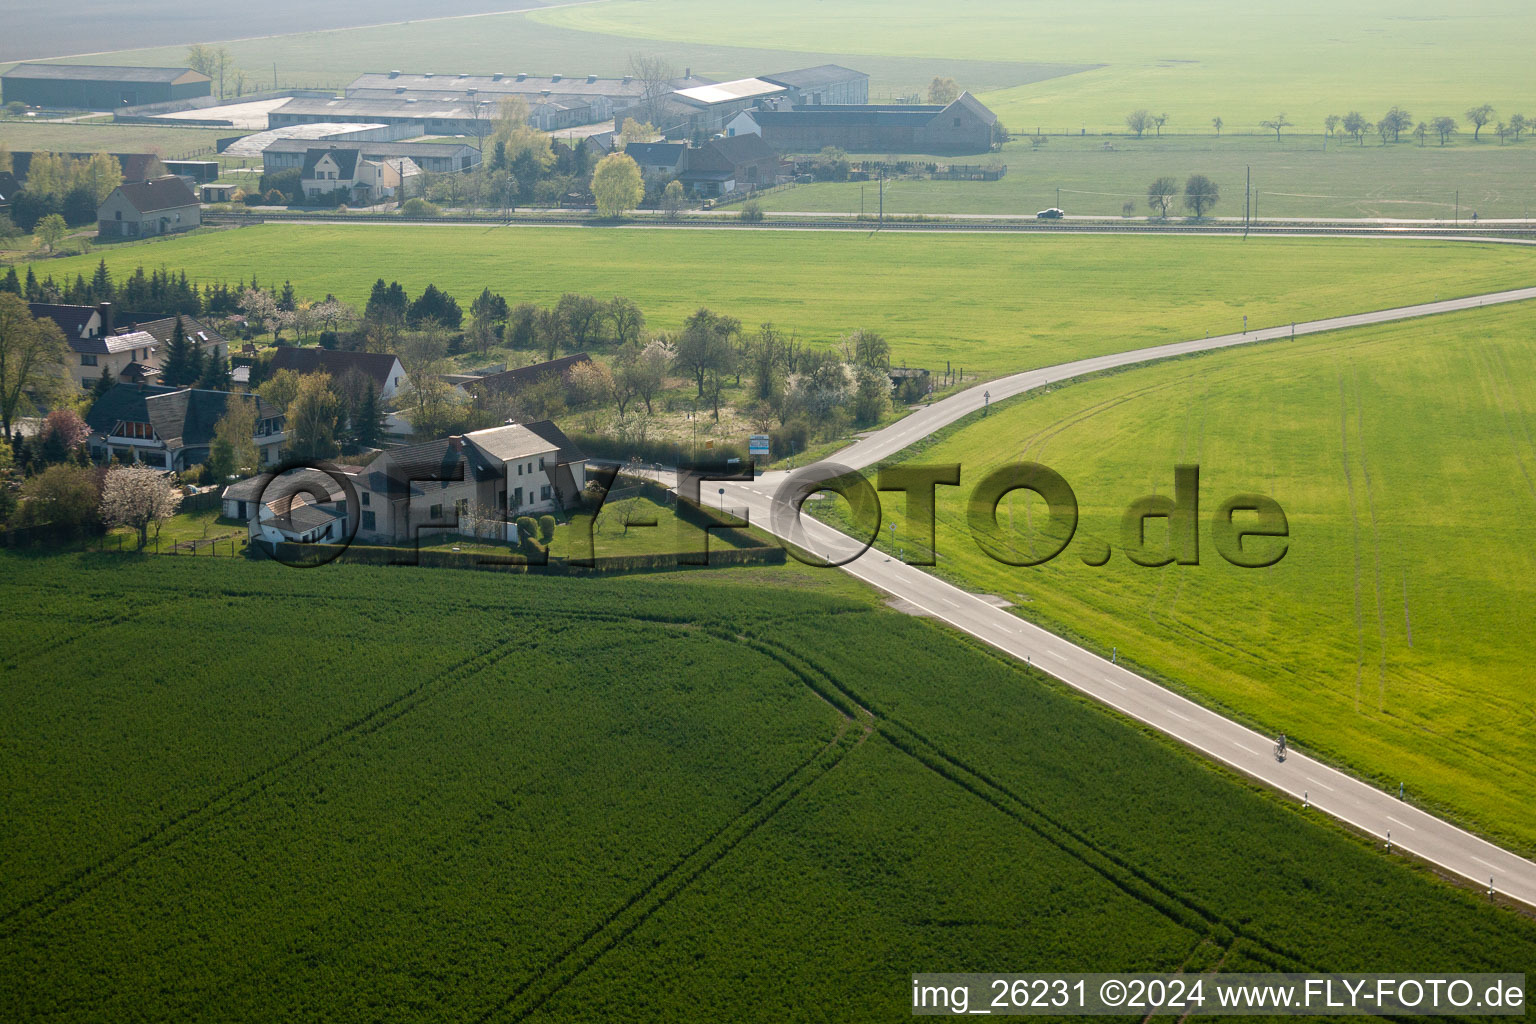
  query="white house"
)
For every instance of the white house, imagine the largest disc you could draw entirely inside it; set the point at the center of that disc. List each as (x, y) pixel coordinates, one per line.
(743, 124)
(299, 519)
(335, 169)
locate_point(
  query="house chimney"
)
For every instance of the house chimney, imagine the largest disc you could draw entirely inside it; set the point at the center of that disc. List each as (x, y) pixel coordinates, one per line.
(105, 311)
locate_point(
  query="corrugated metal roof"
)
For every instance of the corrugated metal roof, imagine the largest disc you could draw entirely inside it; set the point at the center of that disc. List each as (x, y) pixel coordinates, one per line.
(724, 92)
(102, 73)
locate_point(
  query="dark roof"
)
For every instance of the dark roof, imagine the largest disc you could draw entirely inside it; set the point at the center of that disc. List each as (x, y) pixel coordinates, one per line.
(811, 78)
(271, 486)
(346, 161)
(170, 192)
(181, 417)
(401, 472)
(912, 116)
(376, 365)
(72, 320)
(555, 436)
(724, 156)
(298, 514)
(656, 154)
(101, 73)
(975, 106)
(515, 380)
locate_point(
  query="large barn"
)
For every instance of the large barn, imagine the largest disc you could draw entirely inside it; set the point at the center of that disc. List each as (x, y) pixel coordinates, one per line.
(99, 87)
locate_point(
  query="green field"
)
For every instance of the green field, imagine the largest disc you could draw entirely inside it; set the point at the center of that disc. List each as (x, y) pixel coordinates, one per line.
(1194, 61)
(989, 305)
(487, 43)
(1392, 637)
(417, 794)
(1294, 178)
(168, 142)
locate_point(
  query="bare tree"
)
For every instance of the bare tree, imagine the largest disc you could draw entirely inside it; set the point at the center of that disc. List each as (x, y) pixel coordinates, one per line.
(655, 75)
(1139, 121)
(138, 496)
(1275, 124)
(1216, 123)
(1200, 194)
(1445, 127)
(1161, 195)
(1356, 124)
(1158, 122)
(1479, 116)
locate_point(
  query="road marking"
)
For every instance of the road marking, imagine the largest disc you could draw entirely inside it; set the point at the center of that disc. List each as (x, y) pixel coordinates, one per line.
(1400, 822)
(1321, 785)
(1485, 864)
(1111, 682)
(1175, 714)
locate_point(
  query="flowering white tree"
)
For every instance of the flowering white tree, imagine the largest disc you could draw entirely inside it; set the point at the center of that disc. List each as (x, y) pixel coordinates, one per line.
(139, 497)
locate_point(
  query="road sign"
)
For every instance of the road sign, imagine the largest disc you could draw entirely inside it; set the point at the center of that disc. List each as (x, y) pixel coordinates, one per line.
(758, 445)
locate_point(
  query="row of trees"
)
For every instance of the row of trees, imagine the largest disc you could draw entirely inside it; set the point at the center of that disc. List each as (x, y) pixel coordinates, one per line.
(1390, 127)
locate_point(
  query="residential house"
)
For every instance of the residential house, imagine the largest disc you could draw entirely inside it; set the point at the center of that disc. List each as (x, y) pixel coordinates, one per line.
(300, 519)
(170, 428)
(407, 158)
(141, 209)
(99, 86)
(735, 163)
(161, 327)
(338, 169)
(658, 159)
(96, 344)
(499, 473)
(382, 368)
(963, 126)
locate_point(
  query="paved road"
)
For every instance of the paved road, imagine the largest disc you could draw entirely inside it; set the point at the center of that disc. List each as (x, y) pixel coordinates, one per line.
(1346, 798)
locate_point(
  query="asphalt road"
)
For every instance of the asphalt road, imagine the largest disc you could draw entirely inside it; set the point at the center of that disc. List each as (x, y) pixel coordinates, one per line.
(1357, 803)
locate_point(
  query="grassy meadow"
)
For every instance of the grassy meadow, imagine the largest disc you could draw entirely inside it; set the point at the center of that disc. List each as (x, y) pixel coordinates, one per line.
(987, 305)
(169, 142)
(1194, 61)
(452, 795)
(1391, 637)
(1295, 177)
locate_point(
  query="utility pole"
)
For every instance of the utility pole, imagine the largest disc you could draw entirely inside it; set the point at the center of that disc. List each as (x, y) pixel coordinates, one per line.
(1247, 199)
(1058, 197)
(882, 196)
(1458, 207)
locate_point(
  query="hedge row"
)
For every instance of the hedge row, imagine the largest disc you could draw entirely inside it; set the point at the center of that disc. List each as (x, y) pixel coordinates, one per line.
(437, 558)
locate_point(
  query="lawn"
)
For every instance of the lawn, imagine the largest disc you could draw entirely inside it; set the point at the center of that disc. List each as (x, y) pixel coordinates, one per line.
(987, 305)
(169, 142)
(1392, 636)
(1194, 61)
(400, 794)
(1294, 178)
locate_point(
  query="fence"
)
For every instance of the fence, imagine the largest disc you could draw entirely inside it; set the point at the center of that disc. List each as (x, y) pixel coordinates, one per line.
(868, 169)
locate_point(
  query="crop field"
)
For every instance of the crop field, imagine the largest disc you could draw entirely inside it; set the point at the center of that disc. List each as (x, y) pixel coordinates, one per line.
(1392, 636)
(651, 795)
(1294, 178)
(170, 142)
(1194, 61)
(988, 305)
(483, 44)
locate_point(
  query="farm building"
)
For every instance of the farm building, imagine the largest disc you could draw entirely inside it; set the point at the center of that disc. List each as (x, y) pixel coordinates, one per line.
(828, 83)
(964, 126)
(104, 87)
(382, 368)
(142, 209)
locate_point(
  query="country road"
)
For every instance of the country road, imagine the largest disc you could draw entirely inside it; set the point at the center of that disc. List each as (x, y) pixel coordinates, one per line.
(1350, 800)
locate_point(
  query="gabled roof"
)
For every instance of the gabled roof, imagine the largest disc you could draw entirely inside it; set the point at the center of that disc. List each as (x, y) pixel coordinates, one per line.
(170, 192)
(510, 442)
(271, 486)
(515, 380)
(813, 78)
(567, 451)
(299, 513)
(181, 417)
(377, 366)
(344, 158)
(74, 321)
(975, 106)
(656, 154)
(403, 471)
(104, 73)
(726, 155)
